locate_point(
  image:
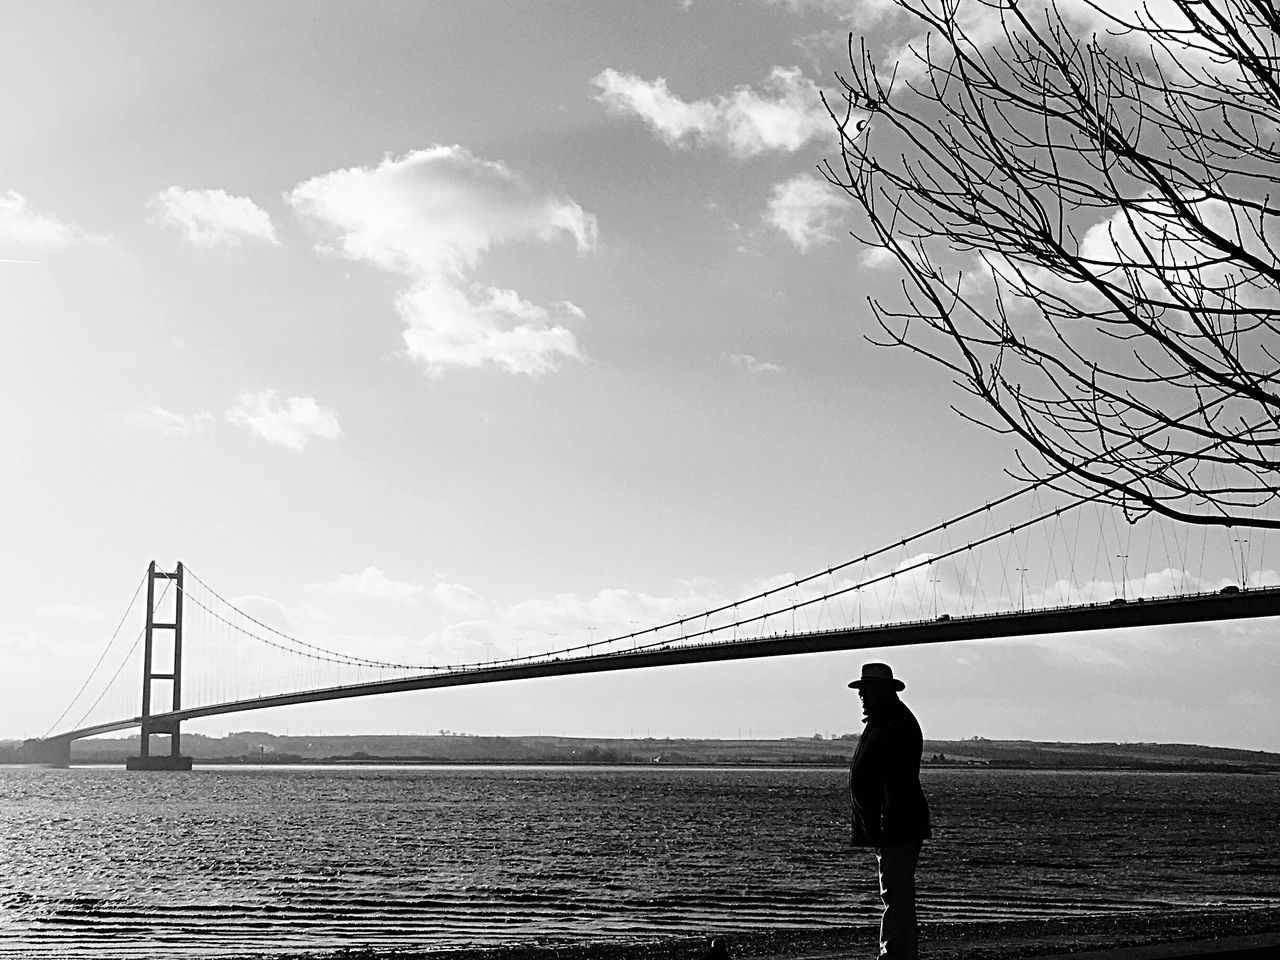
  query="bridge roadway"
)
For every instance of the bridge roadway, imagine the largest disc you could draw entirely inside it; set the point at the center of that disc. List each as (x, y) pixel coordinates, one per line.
(1196, 608)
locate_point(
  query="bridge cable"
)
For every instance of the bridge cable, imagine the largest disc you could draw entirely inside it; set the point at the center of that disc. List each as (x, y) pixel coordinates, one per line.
(1094, 499)
(124, 662)
(1262, 554)
(959, 518)
(102, 656)
(339, 658)
(322, 653)
(683, 622)
(329, 655)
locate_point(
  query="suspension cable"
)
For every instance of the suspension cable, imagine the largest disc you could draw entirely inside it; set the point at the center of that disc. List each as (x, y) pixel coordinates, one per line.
(102, 656)
(708, 631)
(284, 636)
(331, 656)
(326, 654)
(123, 661)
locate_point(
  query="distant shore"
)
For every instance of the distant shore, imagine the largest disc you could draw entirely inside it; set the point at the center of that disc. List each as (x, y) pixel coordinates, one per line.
(980, 940)
(730, 764)
(409, 762)
(815, 751)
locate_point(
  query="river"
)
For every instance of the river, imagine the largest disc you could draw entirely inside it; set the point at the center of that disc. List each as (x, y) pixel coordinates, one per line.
(100, 863)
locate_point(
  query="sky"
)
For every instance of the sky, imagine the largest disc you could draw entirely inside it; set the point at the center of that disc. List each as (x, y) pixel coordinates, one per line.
(417, 328)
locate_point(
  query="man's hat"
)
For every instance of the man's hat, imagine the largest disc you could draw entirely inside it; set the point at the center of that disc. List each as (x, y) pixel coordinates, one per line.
(874, 674)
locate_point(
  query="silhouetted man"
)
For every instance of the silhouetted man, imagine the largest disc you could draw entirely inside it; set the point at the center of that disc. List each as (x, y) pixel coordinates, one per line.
(889, 809)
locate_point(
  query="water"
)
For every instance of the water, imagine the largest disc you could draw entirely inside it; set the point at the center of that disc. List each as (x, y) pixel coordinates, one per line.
(97, 862)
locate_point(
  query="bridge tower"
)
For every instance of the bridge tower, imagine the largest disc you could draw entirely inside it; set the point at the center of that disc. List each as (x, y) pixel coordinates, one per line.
(169, 671)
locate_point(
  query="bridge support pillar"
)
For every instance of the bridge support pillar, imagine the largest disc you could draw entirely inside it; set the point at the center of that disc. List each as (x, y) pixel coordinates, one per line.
(172, 760)
(158, 762)
(170, 672)
(52, 753)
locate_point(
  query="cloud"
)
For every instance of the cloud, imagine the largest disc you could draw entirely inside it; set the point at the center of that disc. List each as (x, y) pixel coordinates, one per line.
(489, 629)
(289, 422)
(373, 583)
(785, 117)
(1151, 232)
(73, 612)
(456, 599)
(38, 648)
(430, 217)
(858, 13)
(980, 22)
(752, 365)
(211, 218)
(1154, 246)
(21, 225)
(447, 326)
(459, 599)
(806, 209)
(568, 619)
(266, 610)
(982, 26)
(156, 419)
(875, 257)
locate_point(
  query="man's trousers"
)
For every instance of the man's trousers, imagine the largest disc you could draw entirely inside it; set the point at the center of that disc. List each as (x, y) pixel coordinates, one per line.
(896, 864)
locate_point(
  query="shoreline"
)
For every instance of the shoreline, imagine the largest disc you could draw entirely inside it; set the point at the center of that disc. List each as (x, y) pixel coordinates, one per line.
(841, 763)
(447, 747)
(407, 762)
(949, 940)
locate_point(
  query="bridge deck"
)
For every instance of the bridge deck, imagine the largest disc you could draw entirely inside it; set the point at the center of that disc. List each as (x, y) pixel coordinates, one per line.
(1199, 608)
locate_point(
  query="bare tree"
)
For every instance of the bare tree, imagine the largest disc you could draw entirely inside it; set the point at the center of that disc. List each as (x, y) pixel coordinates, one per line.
(1081, 205)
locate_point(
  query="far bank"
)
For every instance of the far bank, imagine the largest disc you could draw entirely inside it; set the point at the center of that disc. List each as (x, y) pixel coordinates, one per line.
(258, 747)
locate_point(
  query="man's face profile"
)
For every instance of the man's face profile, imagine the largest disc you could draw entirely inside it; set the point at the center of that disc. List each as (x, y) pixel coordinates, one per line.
(873, 695)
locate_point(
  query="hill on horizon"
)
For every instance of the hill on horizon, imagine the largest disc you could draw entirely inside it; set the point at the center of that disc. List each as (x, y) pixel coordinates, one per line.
(446, 747)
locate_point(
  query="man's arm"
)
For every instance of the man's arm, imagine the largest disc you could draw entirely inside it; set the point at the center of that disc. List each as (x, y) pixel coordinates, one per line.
(900, 810)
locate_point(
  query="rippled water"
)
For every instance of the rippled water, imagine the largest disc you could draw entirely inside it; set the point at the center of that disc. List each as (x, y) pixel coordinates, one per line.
(97, 862)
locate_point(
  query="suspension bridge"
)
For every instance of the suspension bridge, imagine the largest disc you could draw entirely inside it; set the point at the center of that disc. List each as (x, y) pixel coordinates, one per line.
(1033, 562)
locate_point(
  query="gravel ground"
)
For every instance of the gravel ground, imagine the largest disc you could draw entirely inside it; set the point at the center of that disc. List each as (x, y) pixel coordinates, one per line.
(1009, 940)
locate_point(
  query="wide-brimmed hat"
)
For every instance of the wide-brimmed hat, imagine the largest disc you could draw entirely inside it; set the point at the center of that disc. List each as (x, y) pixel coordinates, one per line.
(876, 674)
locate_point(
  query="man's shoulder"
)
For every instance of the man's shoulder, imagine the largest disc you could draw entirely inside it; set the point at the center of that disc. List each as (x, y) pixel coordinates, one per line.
(894, 716)
(902, 714)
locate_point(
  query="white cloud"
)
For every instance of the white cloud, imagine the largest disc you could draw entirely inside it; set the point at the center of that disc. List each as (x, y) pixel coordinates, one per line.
(1152, 232)
(672, 118)
(859, 13)
(983, 25)
(875, 257)
(430, 216)
(267, 610)
(156, 419)
(447, 326)
(373, 583)
(751, 364)
(21, 225)
(1152, 244)
(211, 218)
(289, 422)
(980, 23)
(37, 648)
(459, 599)
(806, 209)
(74, 612)
(786, 116)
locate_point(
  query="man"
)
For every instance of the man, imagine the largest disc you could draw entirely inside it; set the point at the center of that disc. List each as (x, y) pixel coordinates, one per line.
(889, 809)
